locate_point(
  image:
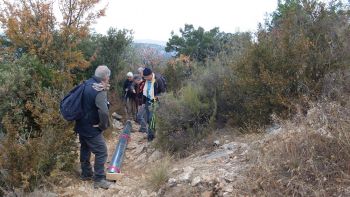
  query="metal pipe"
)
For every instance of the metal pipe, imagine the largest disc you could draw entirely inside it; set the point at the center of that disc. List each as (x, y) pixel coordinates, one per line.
(118, 156)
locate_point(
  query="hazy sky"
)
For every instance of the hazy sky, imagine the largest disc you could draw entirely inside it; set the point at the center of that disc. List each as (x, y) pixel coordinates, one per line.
(155, 19)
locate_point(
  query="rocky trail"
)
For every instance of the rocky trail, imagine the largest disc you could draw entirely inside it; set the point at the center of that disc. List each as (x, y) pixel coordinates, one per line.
(204, 173)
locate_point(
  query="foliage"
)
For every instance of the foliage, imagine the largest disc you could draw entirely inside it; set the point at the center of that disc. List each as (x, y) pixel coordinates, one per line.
(309, 156)
(32, 28)
(182, 118)
(285, 67)
(107, 49)
(159, 173)
(37, 139)
(37, 64)
(177, 72)
(196, 43)
(112, 47)
(278, 72)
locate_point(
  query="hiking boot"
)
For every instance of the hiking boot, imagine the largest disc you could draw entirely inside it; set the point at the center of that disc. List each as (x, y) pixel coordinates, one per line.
(150, 137)
(86, 177)
(104, 184)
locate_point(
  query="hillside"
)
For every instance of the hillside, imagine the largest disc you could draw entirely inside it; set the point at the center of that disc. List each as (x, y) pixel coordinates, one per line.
(225, 165)
(156, 49)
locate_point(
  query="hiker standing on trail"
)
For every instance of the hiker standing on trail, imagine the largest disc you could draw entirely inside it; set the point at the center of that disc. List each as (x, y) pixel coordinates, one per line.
(91, 125)
(140, 70)
(129, 95)
(154, 86)
(139, 84)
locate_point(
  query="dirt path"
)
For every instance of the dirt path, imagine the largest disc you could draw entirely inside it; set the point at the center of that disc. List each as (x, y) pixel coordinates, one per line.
(204, 173)
(138, 155)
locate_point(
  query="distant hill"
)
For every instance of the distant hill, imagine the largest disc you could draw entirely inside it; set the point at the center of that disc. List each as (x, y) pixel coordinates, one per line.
(149, 41)
(160, 49)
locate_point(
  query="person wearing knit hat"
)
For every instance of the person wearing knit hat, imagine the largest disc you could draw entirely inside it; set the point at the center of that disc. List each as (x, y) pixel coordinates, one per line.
(147, 72)
(129, 74)
(154, 86)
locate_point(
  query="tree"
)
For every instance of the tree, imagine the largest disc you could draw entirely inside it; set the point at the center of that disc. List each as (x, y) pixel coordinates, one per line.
(112, 48)
(196, 43)
(302, 42)
(78, 15)
(151, 57)
(44, 53)
(32, 28)
(5, 43)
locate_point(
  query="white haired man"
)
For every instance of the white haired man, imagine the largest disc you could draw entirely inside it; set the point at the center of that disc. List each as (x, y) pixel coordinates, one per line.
(129, 94)
(91, 126)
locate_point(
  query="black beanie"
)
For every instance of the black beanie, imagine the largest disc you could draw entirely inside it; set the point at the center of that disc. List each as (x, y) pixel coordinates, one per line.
(147, 71)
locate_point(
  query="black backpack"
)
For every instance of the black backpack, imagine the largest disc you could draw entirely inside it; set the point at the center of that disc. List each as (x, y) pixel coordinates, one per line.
(71, 106)
(161, 78)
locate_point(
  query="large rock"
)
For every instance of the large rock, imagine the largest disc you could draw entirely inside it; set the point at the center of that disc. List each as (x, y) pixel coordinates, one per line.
(228, 188)
(174, 170)
(186, 175)
(196, 181)
(172, 182)
(207, 194)
(273, 129)
(156, 155)
(217, 154)
(139, 149)
(144, 193)
(216, 143)
(141, 158)
(229, 146)
(117, 124)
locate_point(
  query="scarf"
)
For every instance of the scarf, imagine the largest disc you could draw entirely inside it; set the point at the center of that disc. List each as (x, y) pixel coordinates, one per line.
(100, 86)
(148, 90)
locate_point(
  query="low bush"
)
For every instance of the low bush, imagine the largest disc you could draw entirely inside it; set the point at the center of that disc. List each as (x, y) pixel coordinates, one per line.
(309, 156)
(177, 72)
(297, 47)
(182, 118)
(37, 140)
(159, 174)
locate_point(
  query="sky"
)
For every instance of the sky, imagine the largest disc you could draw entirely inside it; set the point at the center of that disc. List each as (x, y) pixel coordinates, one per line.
(155, 19)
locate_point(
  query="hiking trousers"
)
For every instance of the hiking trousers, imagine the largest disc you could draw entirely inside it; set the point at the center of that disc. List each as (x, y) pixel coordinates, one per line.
(144, 117)
(98, 147)
(130, 108)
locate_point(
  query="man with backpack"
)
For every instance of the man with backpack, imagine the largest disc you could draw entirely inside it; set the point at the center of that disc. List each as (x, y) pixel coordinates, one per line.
(154, 85)
(91, 125)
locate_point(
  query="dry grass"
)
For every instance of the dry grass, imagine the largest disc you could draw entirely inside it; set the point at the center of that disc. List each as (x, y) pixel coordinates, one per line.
(309, 156)
(159, 174)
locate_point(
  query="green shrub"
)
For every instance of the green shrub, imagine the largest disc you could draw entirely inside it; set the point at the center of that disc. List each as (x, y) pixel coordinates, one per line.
(37, 140)
(177, 72)
(284, 68)
(181, 119)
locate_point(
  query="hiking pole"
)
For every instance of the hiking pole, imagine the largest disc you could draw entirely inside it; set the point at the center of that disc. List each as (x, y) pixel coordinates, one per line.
(153, 119)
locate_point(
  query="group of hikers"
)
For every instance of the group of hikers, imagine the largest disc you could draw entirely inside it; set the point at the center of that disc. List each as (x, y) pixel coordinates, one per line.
(141, 93)
(137, 102)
